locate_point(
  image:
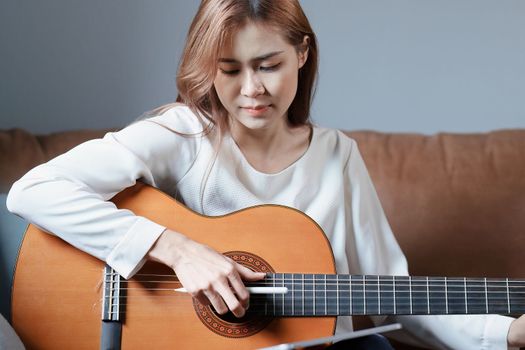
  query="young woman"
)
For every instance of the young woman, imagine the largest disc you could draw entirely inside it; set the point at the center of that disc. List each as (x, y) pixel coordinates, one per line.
(240, 135)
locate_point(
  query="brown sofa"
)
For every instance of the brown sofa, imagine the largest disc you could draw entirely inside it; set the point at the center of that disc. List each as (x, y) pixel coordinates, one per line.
(456, 202)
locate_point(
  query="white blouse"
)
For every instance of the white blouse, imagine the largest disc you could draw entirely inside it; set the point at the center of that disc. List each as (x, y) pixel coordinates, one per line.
(69, 196)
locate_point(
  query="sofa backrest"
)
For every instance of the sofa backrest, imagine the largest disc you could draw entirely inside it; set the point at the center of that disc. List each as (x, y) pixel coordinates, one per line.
(456, 202)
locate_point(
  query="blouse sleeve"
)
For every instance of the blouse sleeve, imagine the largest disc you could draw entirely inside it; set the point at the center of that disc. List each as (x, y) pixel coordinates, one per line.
(372, 249)
(69, 195)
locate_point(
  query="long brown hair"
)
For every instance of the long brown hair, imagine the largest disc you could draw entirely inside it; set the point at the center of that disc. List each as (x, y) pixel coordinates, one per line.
(214, 24)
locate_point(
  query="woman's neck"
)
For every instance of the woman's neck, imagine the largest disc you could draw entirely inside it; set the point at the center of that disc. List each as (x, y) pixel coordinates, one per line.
(274, 148)
(267, 140)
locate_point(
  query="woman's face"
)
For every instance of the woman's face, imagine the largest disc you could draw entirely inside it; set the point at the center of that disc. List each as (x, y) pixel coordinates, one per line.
(257, 77)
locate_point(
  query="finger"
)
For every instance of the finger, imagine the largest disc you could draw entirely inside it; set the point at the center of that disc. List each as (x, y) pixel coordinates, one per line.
(216, 301)
(197, 293)
(202, 298)
(230, 299)
(240, 290)
(249, 275)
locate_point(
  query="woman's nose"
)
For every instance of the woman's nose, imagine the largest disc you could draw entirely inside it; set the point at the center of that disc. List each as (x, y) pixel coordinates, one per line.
(251, 85)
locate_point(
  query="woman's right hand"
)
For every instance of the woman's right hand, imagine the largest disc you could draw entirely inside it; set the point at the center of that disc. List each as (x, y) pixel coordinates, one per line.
(210, 277)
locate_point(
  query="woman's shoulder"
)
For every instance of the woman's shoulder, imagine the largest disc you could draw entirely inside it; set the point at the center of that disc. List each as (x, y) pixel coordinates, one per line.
(335, 144)
(177, 117)
(334, 138)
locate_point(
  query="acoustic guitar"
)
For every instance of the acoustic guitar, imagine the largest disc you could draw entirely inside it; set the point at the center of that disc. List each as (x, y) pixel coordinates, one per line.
(60, 294)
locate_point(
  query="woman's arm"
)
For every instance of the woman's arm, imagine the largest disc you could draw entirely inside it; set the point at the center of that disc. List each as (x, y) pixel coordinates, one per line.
(69, 195)
(373, 249)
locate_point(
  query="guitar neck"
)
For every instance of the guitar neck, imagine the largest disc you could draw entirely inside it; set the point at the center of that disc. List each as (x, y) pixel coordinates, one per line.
(333, 295)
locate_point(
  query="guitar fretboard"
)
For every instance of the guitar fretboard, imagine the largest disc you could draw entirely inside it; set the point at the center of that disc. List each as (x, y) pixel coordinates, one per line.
(331, 295)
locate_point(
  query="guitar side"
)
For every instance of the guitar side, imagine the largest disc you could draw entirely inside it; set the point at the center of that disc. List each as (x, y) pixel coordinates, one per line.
(57, 289)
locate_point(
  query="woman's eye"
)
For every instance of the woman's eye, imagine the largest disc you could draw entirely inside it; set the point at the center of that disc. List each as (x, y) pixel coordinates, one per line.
(230, 72)
(261, 68)
(270, 68)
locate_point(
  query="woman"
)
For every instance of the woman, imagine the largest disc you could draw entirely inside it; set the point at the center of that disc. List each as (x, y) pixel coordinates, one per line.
(239, 136)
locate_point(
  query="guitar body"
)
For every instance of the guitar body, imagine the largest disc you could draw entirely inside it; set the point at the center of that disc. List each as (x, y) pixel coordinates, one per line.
(57, 289)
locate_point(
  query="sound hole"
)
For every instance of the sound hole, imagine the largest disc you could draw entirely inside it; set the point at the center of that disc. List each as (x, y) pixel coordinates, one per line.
(231, 318)
(228, 325)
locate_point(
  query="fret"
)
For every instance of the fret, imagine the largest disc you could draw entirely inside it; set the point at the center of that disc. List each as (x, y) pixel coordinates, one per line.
(403, 301)
(387, 295)
(314, 294)
(446, 296)
(437, 295)
(517, 296)
(508, 294)
(351, 303)
(302, 293)
(420, 304)
(476, 296)
(345, 298)
(456, 295)
(378, 296)
(282, 296)
(466, 300)
(337, 291)
(357, 295)
(332, 294)
(486, 296)
(410, 286)
(273, 296)
(394, 293)
(309, 295)
(287, 298)
(325, 293)
(371, 295)
(498, 298)
(295, 296)
(364, 296)
(277, 298)
(428, 297)
(320, 295)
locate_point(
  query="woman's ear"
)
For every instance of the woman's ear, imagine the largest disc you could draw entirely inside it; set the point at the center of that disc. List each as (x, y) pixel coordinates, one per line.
(302, 53)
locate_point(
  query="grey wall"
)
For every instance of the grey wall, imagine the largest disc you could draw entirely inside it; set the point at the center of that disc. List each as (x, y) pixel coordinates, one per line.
(406, 65)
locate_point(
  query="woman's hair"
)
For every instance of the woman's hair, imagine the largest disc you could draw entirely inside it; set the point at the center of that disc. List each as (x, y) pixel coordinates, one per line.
(214, 24)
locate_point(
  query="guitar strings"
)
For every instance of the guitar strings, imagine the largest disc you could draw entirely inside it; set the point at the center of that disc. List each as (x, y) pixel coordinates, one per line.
(361, 291)
(448, 280)
(419, 301)
(357, 283)
(355, 308)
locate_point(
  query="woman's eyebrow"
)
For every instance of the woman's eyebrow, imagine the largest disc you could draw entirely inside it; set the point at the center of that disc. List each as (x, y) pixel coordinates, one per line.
(255, 59)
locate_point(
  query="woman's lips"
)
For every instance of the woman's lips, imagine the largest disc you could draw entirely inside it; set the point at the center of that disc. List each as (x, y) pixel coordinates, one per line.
(256, 110)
